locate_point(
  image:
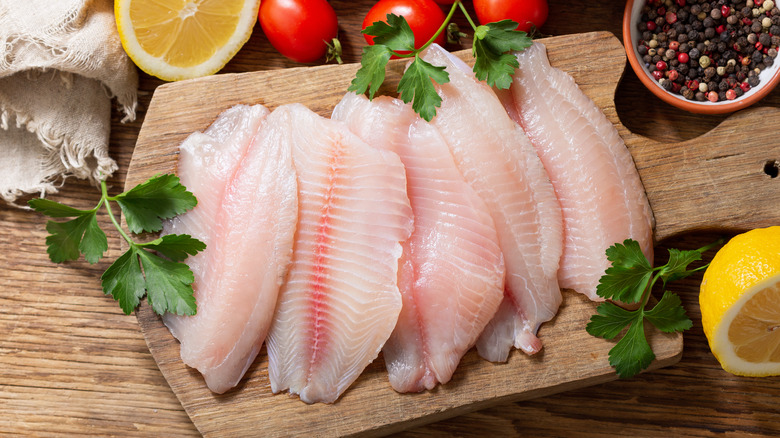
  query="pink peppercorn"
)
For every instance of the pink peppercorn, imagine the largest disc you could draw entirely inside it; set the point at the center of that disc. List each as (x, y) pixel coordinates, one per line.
(660, 65)
(651, 26)
(673, 75)
(683, 58)
(744, 86)
(731, 94)
(712, 96)
(658, 75)
(720, 29)
(674, 45)
(671, 17)
(759, 46)
(680, 2)
(725, 11)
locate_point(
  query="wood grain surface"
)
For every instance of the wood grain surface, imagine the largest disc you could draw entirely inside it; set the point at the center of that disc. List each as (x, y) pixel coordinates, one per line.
(71, 364)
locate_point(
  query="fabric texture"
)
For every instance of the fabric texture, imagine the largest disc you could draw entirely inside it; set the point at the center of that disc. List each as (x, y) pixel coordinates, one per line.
(61, 63)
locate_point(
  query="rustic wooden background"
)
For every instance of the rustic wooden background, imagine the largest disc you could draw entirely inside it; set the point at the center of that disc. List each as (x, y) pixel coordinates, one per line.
(72, 364)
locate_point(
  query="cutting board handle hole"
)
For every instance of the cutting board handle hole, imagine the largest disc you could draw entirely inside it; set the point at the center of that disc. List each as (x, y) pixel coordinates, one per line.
(772, 168)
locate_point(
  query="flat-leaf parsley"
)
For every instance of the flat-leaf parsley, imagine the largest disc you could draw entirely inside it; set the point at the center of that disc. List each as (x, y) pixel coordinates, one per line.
(166, 282)
(630, 280)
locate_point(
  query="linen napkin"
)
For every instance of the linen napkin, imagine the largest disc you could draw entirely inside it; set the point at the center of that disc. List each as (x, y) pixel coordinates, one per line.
(61, 62)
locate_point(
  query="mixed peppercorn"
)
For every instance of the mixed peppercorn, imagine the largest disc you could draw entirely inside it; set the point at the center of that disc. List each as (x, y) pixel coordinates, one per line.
(708, 50)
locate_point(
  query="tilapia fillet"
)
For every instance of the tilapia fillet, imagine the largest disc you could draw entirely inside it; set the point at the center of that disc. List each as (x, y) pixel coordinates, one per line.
(594, 176)
(247, 211)
(451, 274)
(498, 161)
(341, 300)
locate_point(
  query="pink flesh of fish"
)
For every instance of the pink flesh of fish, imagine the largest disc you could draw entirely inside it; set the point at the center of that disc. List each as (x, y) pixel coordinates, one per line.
(341, 299)
(246, 214)
(451, 274)
(498, 161)
(594, 176)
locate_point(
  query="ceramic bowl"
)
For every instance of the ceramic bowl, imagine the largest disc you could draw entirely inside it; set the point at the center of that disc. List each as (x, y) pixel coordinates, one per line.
(631, 35)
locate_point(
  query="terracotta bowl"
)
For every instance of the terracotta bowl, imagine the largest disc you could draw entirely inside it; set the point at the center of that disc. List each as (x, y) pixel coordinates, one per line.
(768, 78)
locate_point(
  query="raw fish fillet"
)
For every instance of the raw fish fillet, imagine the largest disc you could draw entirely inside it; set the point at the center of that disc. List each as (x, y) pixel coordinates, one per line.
(498, 161)
(247, 210)
(341, 299)
(594, 176)
(451, 273)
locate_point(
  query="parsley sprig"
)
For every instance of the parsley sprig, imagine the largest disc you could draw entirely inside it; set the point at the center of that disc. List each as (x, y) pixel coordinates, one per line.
(165, 281)
(630, 280)
(492, 45)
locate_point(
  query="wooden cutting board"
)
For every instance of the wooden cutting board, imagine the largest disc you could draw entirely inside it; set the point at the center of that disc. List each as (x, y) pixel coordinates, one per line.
(719, 180)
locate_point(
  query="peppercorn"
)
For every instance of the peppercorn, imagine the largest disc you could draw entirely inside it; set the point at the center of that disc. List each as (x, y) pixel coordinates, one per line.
(723, 85)
(712, 96)
(739, 92)
(694, 53)
(704, 61)
(687, 93)
(753, 81)
(769, 61)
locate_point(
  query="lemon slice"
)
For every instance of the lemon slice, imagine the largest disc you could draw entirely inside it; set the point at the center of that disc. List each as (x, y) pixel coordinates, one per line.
(182, 39)
(740, 303)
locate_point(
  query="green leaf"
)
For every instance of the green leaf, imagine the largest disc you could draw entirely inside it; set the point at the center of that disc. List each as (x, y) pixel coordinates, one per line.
(372, 70)
(161, 197)
(54, 209)
(168, 285)
(416, 86)
(176, 247)
(492, 44)
(94, 244)
(668, 315)
(610, 321)
(632, 353)
(124, 281)
(395, 34)
(677, 266)
(629, 275)
(64, 238)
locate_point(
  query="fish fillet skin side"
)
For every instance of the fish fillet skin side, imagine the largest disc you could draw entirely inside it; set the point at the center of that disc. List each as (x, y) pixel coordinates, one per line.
(248, 218)
(594, 175)
(341, 300)
(451, 274)
(497, 160)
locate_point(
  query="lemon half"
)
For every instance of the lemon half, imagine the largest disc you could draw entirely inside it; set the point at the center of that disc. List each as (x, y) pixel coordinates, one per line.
(740, 303)
(183, 39)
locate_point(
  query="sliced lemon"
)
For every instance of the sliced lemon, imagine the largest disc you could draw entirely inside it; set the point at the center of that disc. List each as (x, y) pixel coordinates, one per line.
(740, 303)
(183, 39)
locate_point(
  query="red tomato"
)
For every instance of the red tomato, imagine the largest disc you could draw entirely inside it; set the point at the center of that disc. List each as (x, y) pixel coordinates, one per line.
(299, 29)
(525, 12)
(423, 16)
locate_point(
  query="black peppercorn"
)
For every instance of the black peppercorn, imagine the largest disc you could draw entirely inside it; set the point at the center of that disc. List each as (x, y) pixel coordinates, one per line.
(753, 81)
(723, 85)
(765, 39)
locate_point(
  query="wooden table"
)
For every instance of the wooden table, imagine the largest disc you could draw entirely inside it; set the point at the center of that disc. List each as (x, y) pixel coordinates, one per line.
(72, 364)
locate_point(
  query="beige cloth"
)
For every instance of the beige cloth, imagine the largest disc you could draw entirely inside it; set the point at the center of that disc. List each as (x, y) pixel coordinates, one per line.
(61, 62)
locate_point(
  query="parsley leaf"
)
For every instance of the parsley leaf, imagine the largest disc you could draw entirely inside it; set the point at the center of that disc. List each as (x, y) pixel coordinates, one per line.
(124, 281)
(54, 209)
(668, 315)
(176, 247)
(675, 269)
(161, 197)
(610, 321)
(82, 235)
(630, 279)
(492, 42)
(395, 34)
(632, 353)
(372, 70)
(629, 275)
(166, 282)
(416, 86)
(168, 285)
